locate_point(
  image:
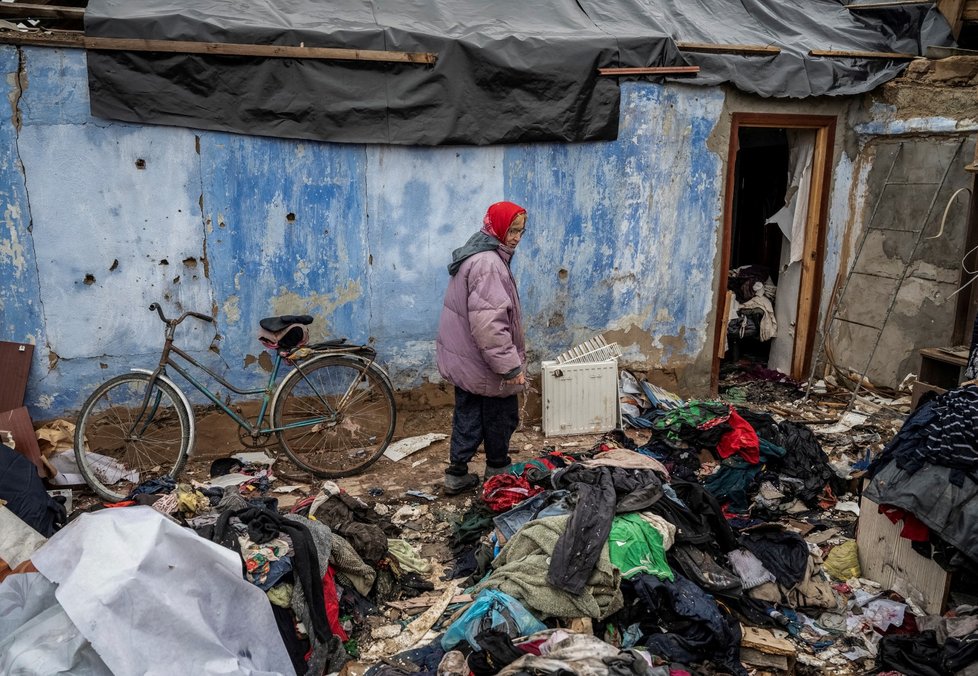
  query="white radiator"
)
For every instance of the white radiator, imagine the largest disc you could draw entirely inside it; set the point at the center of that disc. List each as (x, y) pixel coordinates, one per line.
(580, 398)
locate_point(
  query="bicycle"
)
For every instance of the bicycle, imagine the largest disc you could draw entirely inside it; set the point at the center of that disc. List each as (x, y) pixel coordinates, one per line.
(333, 413)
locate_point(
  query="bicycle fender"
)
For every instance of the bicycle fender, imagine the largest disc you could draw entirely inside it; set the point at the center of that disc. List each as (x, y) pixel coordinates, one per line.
(186, 403)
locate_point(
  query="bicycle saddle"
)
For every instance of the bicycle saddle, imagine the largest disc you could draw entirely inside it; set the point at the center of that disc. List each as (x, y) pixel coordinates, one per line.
(274, 324)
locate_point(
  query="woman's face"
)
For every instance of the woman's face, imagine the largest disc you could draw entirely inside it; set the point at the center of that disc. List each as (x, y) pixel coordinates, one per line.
(515, 232)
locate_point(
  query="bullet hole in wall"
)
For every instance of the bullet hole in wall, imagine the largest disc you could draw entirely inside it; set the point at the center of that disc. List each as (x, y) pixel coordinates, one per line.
(89, 279)
(290, 217)
(140, 163)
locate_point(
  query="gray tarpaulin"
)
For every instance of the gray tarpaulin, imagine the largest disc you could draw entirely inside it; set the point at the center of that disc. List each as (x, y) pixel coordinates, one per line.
(507, 71)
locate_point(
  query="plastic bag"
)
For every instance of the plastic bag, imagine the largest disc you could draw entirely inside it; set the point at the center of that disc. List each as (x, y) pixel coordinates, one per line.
(491, 609)
(842, 563)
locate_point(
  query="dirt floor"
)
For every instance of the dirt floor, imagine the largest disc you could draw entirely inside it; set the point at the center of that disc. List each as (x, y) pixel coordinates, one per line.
(387, 482)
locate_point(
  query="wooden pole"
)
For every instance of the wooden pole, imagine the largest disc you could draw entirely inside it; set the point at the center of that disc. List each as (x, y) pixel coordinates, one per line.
(743, 50)
(78, 39)
(653, 70)
(27, 11)
(267, 51)
(846, 54)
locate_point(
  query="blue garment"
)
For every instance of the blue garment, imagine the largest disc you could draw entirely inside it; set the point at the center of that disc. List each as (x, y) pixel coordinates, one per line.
(548, 503)
(276, 571)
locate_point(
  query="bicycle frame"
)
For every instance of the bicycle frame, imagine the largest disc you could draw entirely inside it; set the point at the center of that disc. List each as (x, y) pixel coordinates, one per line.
(256, 429)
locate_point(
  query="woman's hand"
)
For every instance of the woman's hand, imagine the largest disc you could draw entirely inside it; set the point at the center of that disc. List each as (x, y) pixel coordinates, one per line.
(518, 380)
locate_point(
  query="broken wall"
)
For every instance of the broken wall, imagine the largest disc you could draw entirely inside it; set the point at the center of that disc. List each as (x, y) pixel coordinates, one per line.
(913, 139)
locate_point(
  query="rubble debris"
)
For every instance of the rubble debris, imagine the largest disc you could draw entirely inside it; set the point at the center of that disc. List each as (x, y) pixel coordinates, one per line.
(716, 533)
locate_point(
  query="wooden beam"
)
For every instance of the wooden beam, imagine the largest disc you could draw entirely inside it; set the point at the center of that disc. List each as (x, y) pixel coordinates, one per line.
(886, 5)
(652, 70)
(45, 39)
(744, 50)
(267, 51)
(952, 11)
(77, 39)
(847, 54)
(23, 10)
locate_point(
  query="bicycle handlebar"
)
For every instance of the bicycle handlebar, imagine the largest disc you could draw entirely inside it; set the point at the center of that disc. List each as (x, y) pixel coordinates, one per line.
(155, 307)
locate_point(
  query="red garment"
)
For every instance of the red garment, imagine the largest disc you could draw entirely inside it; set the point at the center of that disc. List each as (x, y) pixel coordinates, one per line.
(742, 439)
(499, 217)
(504, 491)
(914, 529)
(332, 602)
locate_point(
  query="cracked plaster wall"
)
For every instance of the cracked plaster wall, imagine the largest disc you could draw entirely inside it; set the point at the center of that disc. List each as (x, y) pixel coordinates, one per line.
(103, 218)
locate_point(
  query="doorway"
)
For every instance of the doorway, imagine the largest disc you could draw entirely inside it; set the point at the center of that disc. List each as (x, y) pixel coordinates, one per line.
(778, 175)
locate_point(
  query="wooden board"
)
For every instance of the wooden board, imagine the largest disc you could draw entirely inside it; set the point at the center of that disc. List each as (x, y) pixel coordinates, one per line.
(15, 364)
(970, 12)
(18, 422)
(887, 558)
(761, 648)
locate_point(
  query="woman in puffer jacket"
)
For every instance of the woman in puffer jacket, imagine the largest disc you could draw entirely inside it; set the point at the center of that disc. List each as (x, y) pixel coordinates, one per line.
(481, 347)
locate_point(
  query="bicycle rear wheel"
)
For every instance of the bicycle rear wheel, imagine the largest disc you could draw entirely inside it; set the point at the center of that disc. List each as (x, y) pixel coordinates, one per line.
(118, 445)
(340, 415)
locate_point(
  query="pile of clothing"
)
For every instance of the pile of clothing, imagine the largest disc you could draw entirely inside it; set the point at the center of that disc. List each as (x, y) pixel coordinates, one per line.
(659, 550)
(927, 478)
(298, 584)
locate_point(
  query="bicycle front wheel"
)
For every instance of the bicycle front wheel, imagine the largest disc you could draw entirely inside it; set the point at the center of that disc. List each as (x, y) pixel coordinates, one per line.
(120, 444)
(335, 415)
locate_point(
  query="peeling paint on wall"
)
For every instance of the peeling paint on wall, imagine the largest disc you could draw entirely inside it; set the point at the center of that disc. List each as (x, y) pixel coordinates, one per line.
(11, 247)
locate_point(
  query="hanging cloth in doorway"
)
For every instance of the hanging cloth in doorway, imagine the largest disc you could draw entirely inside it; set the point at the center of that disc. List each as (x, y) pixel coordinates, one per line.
(791, 218)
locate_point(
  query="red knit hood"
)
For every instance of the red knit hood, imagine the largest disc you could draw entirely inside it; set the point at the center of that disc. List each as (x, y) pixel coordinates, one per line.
(499, 217)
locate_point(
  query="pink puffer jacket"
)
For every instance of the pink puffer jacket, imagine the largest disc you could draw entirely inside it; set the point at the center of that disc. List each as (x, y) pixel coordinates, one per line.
(480, 334)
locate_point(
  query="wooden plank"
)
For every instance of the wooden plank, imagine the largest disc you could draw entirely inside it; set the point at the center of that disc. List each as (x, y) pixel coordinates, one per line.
(426, 601)
(18, 423)
(15, 365)
(743, 50)
(887, 558)
(764, 640)
(723, 318)
(652, 70)
(855, 54)
(267, 51)
(23, 10)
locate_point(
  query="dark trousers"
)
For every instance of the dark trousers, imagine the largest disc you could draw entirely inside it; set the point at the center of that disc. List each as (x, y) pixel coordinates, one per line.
(490, 421)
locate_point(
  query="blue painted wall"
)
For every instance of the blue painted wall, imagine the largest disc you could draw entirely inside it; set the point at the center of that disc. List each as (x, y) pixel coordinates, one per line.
(99, 219)
(357, 235)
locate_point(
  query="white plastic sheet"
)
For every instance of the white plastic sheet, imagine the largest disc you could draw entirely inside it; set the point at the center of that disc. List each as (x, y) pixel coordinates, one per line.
(155, 598)
(37, 638)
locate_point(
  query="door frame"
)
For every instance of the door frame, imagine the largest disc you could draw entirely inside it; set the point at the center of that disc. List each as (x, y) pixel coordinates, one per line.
(816, 227)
